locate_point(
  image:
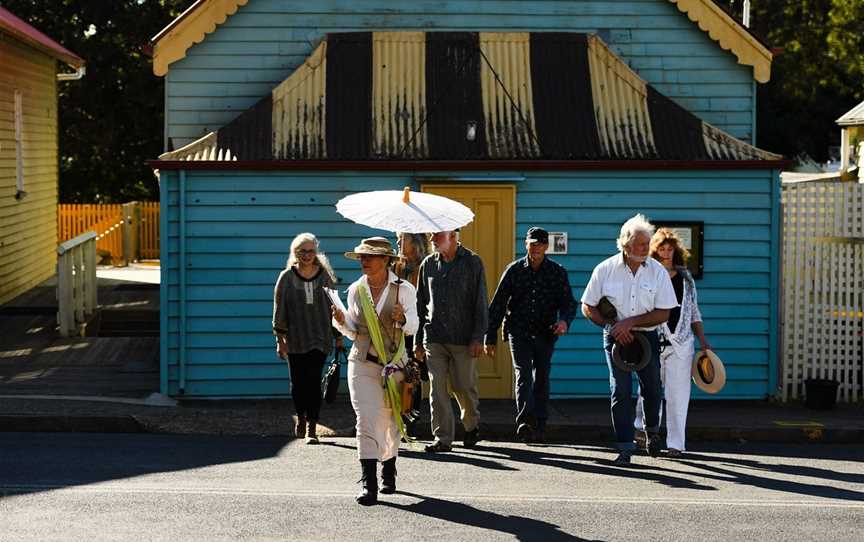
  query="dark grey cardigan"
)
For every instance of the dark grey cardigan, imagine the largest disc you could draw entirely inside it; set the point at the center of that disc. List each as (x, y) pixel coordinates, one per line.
(301, 312)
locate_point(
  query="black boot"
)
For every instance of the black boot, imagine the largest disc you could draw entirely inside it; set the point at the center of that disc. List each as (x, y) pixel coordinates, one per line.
(388, 476)
(369, 493)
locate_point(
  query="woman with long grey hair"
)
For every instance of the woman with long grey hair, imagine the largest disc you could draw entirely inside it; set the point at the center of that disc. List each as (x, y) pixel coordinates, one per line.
(303, 329)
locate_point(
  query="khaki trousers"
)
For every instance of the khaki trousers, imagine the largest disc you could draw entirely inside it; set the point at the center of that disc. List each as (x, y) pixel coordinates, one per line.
(377, 433)
(453, 363)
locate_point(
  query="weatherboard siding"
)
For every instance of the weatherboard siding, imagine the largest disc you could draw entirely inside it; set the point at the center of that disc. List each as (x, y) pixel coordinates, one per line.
(239, 226)
(28, 226)
(266, 40)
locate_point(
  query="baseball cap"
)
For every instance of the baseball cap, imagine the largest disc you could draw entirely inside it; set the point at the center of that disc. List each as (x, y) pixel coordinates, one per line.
(537, 235)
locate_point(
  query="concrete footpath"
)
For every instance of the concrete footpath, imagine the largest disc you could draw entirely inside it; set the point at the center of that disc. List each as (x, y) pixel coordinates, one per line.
(570, 421)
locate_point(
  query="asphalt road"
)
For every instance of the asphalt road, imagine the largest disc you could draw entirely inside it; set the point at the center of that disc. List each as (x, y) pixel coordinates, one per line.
(98, 487)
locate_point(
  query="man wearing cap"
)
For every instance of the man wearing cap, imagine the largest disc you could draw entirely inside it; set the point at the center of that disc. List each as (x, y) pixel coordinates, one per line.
(535, 302)
(639, 289)
(451, 305)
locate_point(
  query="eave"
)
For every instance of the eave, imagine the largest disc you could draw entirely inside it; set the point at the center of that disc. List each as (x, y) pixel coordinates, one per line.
(191, 27)
(730, 35)
(463, 165)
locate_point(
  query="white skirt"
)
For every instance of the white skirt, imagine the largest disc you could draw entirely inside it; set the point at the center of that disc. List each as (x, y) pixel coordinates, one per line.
(377, 433)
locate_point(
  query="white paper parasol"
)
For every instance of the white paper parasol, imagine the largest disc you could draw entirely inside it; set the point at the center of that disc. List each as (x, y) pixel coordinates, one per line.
(404, 211)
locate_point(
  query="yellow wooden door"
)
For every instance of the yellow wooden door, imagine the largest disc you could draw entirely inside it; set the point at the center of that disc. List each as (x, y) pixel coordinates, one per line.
(491, 237)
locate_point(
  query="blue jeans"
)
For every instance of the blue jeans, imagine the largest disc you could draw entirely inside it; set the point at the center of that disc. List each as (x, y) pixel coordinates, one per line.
(532, 360)
(621, 388)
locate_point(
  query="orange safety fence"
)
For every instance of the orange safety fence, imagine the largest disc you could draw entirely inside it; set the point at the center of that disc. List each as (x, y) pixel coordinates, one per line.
(109, 237)
(148, 231)
(106, 220)
(73, 219)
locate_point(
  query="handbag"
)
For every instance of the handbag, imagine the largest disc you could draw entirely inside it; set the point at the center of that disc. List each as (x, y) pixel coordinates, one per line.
(330, 382)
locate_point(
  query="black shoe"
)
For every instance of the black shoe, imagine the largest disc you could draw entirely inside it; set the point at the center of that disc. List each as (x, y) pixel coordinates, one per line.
(471, 438)
(540, 436)
(623, 459)
(369, 492)
(655, 444)
(525, 433)
(437, 447)
(640, 439)
(388, 476)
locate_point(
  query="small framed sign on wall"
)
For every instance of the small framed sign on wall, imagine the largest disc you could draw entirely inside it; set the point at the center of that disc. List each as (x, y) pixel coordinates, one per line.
(557, 242)
(692, 235)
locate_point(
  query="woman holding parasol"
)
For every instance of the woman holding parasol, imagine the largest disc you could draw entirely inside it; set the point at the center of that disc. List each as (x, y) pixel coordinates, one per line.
(381, 311)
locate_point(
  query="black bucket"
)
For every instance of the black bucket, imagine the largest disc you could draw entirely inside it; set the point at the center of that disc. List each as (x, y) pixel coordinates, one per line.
(820, 393)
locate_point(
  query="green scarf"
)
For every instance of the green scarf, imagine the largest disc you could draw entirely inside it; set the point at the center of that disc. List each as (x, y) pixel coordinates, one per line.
(392, 396)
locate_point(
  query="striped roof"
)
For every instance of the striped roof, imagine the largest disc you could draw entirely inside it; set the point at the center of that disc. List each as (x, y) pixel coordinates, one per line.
(470, 96)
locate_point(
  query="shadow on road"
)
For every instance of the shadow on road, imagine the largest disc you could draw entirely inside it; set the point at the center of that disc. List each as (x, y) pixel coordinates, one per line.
(90, 458)
(722, 469)
(587, 464)
(462, 514)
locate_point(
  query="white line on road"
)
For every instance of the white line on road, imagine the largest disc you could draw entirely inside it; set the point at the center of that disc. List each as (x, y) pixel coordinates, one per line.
(23, 489)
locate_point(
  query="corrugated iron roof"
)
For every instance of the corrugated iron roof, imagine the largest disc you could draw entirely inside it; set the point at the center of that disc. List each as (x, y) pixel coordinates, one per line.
(472, 96)
(853, 117)
(16, 27)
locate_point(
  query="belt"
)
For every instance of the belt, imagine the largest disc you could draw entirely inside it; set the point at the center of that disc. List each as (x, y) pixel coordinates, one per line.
(372, 358)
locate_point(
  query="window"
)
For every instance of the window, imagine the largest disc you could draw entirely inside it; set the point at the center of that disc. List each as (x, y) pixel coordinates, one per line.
(19, 146)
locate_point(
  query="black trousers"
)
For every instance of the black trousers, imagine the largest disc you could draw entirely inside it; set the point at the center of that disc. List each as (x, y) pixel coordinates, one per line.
(306, 382)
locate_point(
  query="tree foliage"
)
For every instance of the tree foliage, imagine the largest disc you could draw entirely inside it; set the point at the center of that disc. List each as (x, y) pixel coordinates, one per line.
(111, 121)
(817, 76)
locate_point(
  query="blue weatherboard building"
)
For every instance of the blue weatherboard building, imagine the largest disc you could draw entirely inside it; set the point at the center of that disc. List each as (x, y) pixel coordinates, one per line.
(571, 115)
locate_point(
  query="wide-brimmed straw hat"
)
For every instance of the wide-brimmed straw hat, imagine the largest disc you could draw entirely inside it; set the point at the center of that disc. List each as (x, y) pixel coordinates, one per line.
(373, 246)
(708, 371)
(634, 356)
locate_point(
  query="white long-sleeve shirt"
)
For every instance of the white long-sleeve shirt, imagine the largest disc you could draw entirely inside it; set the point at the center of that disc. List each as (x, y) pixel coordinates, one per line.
(407, 298)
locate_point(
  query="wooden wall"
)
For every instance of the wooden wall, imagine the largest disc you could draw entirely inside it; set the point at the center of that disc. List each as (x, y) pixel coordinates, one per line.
(265, 41)
(28, 226)
(238, 227)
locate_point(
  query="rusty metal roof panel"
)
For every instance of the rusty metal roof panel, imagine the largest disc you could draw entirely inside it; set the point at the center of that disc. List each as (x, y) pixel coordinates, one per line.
(299, 130)
(399, 94)
(505, 77)
(620, 105)
(472, 96)
(722, 146)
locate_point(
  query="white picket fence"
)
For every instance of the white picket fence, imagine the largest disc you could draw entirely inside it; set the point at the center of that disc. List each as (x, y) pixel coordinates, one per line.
(823, 283)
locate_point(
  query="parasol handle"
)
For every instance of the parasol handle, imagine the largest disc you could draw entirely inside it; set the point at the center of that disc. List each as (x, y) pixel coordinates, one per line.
(405, 194)
(398, 287)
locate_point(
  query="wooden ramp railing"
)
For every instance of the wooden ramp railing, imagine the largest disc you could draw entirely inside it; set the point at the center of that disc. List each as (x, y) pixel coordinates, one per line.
(76, 283)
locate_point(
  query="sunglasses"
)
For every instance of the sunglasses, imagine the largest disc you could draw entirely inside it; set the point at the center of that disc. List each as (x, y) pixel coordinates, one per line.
(303, 252)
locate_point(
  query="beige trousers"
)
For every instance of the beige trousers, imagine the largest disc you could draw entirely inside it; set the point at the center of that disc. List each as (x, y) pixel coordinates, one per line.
(377, 433)
(453, 363)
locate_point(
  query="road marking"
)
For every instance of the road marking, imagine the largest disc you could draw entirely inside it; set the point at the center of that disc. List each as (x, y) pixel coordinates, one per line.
(25, 489)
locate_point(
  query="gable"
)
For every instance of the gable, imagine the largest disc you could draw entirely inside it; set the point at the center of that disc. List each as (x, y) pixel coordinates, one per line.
(468, 96)
(204, 16)
(191, 27)
(730, 35)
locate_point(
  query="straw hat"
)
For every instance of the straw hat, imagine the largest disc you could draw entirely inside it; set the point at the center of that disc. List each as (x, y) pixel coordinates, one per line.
(373, 246)
(708, 371)
(634, 356)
